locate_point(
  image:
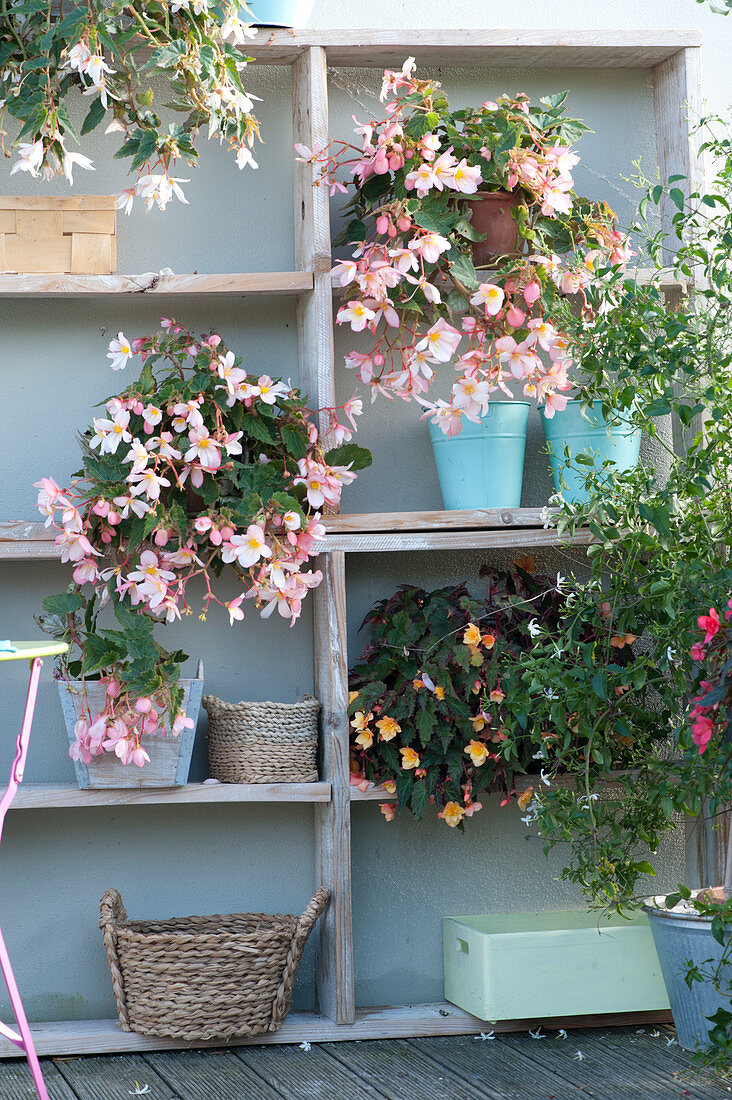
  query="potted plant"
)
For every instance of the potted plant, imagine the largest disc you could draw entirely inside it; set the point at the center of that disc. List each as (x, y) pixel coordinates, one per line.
(114, 53)
(281, 13)
(659, 555)
(422, 184)
(195, 466)
(427, 697)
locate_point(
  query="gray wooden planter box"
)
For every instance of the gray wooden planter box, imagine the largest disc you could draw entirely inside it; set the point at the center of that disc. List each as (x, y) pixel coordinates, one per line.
(170, 757)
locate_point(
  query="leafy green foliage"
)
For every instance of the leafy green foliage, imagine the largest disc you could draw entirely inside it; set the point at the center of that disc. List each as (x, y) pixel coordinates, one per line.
(432, 663)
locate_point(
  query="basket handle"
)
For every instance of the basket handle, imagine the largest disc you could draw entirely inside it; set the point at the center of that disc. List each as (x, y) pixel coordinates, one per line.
(111, 913)
(305, 925)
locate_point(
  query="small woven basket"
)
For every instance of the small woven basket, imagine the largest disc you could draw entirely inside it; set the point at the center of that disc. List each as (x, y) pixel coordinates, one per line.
(263, 742)
(219, 977)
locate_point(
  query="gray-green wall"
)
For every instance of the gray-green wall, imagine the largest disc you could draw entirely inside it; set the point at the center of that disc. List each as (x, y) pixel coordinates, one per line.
(54, 865)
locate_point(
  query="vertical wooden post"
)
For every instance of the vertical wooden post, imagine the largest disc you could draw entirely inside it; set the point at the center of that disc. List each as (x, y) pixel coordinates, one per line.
(677, 94)
(334, 973)
(677, 88)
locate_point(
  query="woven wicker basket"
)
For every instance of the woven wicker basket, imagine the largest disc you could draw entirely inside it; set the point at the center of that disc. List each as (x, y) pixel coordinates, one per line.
(219, 977)
(263, 742)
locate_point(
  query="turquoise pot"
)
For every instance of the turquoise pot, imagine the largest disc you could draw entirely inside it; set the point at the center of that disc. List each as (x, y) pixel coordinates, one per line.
(281, 13)
(587, 434)
(483, 466)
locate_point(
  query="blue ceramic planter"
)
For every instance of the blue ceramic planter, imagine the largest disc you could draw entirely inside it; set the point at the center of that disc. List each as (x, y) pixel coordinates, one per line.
(678, 937)
(483, 466)
(587, 434)
(281, 13)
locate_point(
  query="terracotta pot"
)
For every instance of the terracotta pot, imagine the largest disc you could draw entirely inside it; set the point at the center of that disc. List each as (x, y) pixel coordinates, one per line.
(492, 217)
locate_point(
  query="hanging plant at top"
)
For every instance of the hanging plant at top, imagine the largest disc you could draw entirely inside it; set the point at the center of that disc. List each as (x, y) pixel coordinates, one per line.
(426, 280)
(111, 50)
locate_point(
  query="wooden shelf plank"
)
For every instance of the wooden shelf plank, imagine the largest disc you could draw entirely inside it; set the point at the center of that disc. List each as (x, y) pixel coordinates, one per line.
(363, 533)
(508, 538)
(484, 518)
(96, 286)
(54, 796)
(374, 793)
(520, 48)
(62, 1038)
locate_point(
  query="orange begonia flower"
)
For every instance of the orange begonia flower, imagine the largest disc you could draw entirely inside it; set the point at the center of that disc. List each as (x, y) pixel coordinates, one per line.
(477, 752)
(439, 692)
(488, 640)
(388, 809)
(389, 786)
(453, 814)
(361, 720)
(524, 798)
(410, 759)
(365, 739)
(496, 696)
(388, 728)
(471, 635)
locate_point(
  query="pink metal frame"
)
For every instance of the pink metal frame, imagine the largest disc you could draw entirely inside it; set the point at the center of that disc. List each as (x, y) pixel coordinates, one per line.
(22, 1037)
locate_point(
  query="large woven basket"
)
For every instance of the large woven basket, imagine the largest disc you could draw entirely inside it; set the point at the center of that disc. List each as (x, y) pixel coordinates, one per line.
(263, 742)
(219, 977)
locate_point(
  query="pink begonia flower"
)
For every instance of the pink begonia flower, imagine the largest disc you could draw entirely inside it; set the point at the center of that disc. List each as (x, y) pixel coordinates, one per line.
(554, 402)
(447, 417)
(180, 723)
(441, 341)
(119, 351)
(345, 271)
(543, 333)
(357, 314)
(269, 391)
(74, 546)
(515, 316)
(698, 652)
(86, 572)
(430, 246)
(203, 448)
(465, 179)
(490, 296)
(147, 482)
(247, 549)
(202, 524)
(234, 609)
(532, 291)
(710, 624)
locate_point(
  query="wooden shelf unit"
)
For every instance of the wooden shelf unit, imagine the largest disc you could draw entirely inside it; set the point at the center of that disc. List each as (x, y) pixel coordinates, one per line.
(673, 59)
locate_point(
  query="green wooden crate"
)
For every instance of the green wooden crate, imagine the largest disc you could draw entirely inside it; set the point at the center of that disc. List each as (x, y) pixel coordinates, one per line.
(516, 966)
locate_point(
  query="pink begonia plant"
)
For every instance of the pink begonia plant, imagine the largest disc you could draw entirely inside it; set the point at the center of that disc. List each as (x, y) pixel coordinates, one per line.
(195, 466)
(411, 282)
(713, 708)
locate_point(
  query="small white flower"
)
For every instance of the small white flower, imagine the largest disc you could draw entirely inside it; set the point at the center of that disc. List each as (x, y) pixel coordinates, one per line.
(534, 629)
(670, 654)
(139, 1091)
(655, 1034)
(545, 781)
(305, 1046)
(486, 1035)
(561, 1034)
(579, 1057)
(550, 693)
(537, 1034)
(539, 755)
(670, 1041)
(560, 581)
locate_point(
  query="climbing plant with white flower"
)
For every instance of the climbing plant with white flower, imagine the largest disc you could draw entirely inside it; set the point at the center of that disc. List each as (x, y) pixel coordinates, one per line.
(110, 51)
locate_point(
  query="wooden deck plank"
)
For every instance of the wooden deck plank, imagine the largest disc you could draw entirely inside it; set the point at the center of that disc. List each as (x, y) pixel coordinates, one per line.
(297, 1073)
(491, 1062)
(109, 1078)
(205, 1075)
(599, 1078)
(401, 1071)
(648, 1057)
(16, 1082)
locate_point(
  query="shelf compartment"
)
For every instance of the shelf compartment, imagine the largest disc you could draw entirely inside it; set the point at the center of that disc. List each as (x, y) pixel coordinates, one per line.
(198, 286)
(523, 49)
(62, 1038)
(54, 796)
(508, 538)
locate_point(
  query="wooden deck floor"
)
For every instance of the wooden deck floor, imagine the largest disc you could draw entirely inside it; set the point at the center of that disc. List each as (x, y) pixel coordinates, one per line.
(621, 1064)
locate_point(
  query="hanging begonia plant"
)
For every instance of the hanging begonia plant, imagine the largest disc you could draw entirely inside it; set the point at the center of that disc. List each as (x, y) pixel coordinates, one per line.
(412, 282)
(196, 466)
(131, 60)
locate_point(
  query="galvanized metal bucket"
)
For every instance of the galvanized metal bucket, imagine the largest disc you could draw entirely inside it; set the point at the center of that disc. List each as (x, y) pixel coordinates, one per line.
(680, 937)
